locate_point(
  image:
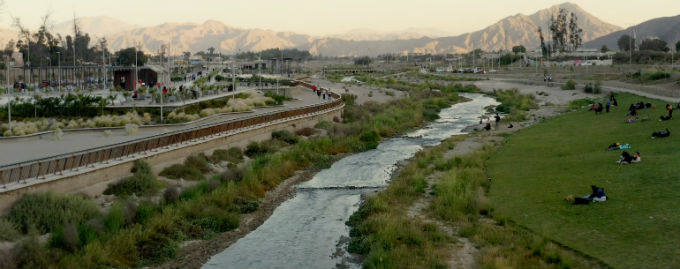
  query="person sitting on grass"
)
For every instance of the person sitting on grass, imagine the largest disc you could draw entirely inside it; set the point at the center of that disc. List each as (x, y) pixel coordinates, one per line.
(631, 119)
(488, 126)
(625, 158)
(665, 133)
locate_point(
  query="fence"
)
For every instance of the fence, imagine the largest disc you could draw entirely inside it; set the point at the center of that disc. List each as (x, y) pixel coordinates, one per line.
(39, 168)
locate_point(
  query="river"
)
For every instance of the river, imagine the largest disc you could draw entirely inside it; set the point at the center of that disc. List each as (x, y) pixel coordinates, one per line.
(309, 231)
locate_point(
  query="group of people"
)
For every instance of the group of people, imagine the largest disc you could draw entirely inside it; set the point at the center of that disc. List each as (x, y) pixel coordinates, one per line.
(497, 118)
(321, 93)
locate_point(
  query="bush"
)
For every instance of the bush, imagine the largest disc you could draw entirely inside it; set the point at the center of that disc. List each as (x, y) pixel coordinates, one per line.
(285, 136)
(46, 212)
(656, 75)
(156, 248)
(30, 253)
(171, 195)
(570, 85)
(177, 171)
(234, 174)
(232, 155)
(142, 182)
(349, 99)
(255, 149)
(305, 132)
(8, 230)
(217, 220)
(371, 139)
(66, 238)
(588, 88)
(199, 161)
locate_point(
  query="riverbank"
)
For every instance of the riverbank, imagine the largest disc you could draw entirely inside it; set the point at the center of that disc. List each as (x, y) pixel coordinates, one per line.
(448, 220)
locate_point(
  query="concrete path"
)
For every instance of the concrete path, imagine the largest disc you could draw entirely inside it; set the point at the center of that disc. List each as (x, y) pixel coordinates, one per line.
(25, 149)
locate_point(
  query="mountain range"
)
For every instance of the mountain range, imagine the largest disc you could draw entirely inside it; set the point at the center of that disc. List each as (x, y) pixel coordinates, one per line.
(666, 28)
(504, 34)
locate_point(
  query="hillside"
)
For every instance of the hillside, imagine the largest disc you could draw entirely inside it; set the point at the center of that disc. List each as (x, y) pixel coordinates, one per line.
(667, 28)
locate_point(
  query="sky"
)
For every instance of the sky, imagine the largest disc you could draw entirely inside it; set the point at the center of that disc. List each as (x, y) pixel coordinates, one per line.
(326, 17)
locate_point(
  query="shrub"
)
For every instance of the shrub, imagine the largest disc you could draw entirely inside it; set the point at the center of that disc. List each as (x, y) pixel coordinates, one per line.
(46, 211)
(656, 75)
(349, 99)
(66, 238)
(171, 195)
(255, 149)
(142, 182)
(156, 248)
(285, 136)
(115, 220)
(215, 219)
(8, 230)
(570, 85)
(234, 174)
(232, 155)
(305, 132)
(199, 161)
(588, 88)
(371, 139)
(177, 171)
(30, 253)
(597, 89)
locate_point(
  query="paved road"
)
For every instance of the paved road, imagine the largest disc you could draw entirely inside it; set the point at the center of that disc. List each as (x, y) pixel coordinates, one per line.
(33, 148)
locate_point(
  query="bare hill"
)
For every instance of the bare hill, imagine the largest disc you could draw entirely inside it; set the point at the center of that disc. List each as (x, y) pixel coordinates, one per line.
(666, 28)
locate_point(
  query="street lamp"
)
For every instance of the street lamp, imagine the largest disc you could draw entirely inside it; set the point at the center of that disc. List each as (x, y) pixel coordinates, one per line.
(9, 98)
(59, 64)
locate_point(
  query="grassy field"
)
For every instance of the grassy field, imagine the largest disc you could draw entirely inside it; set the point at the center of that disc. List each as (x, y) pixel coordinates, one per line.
(539, 166)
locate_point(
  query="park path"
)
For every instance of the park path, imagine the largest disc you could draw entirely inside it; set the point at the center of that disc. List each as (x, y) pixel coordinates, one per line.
(24, 149)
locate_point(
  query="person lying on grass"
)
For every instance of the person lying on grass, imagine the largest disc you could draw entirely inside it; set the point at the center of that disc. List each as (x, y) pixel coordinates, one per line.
(626, 158)
(597, 195)
(665, 133)
(617, 146)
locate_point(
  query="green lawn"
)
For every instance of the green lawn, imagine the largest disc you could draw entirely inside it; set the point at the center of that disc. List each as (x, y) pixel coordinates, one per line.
(639, 227)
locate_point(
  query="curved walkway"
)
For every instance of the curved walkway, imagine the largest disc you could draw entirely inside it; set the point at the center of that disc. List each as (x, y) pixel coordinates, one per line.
(25, 149)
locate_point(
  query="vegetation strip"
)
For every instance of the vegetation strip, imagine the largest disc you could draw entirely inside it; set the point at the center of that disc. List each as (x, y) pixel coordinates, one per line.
(142, 231)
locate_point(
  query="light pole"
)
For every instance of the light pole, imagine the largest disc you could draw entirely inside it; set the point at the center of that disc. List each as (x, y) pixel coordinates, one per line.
(9, 98)
(136, 70)
(59, 68)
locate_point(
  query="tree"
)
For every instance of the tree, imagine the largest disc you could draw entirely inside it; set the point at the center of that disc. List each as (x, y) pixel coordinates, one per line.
(126, 57)
(211, 50)
(519, 49)
(575, 32)
(558, 28)
(604, 49)
(654, 44)
(544, 48)
(625, 42)
(363, 60)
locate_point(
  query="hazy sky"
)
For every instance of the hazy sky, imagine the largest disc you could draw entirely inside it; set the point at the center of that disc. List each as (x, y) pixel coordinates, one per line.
(323, 17)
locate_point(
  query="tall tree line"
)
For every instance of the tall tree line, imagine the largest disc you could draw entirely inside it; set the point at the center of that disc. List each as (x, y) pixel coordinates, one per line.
(566, 35)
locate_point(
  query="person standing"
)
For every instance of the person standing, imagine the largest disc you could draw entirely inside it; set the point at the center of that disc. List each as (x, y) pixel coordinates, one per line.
(498, 120)
(609, 103)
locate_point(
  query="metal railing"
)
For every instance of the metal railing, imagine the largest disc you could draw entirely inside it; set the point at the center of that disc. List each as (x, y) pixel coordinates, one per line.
(57, 164)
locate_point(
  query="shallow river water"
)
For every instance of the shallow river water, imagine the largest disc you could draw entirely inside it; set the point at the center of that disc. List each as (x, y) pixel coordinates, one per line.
(309, 231)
